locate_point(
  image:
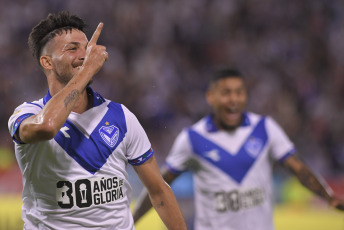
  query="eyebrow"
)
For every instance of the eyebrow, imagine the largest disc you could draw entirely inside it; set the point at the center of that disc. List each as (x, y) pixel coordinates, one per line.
(72, 43)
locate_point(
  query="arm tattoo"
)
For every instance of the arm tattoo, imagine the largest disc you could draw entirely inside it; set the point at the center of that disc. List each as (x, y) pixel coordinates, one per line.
(309, 180)
(162, 204)
(72, 97)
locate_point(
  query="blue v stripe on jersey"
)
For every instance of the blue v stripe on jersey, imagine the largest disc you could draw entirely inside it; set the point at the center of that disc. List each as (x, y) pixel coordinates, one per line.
(238, 165)
(92, 153)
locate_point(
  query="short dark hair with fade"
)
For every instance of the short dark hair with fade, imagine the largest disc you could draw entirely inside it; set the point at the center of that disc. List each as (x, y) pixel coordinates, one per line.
(225, 73)
(48, 28)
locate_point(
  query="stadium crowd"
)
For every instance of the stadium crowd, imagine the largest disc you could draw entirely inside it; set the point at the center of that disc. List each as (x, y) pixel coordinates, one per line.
(161, 54)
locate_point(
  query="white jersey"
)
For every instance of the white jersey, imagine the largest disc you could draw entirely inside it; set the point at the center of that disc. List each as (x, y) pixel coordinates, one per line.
(232, 171)
(78, 179)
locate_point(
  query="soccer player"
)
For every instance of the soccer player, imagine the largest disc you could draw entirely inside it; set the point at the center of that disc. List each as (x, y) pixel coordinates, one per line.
(230, 153)
(73, 145)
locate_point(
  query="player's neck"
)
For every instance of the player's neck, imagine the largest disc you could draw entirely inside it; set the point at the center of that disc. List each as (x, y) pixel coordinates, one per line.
(229, 128)
(83, 103)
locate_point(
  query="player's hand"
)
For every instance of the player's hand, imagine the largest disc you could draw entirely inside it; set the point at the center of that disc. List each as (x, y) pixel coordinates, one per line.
(96, 55)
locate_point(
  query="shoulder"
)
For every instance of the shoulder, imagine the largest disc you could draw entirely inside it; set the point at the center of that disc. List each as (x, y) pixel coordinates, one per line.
(270, 124)
(126, 112)
(22, 112)
(254, 118)
(123, 115)
(200, 125)
(34, 104)
(28, 107)
(115, 108)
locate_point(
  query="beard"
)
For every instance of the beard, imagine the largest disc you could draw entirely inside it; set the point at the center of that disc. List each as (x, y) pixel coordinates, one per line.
(64, 73)
(65, 78)
(228, 127)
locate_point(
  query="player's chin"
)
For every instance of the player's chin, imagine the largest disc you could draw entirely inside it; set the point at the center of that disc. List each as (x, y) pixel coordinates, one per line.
(232, 119)
(230, 125)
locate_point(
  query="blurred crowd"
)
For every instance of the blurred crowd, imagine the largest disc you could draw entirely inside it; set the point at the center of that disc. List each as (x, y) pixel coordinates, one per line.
(162, 52)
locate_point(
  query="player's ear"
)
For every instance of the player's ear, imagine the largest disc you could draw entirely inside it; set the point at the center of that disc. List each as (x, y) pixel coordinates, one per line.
(46, 62)
(209, 96)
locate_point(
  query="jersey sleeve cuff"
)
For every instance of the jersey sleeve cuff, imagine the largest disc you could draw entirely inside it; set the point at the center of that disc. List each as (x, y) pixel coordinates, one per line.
(173, 170)
(17, 123)
(143, 158)
(288, 154)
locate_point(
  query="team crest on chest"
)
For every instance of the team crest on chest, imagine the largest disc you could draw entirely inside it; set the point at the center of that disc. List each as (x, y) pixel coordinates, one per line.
(253, 146)
(109, 134)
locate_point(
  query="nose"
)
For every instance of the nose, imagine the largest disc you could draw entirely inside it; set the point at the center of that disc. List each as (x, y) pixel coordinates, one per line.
(233, 99)
(82, 53)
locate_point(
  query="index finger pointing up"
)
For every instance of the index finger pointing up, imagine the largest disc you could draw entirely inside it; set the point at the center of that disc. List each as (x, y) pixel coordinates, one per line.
(96, 33)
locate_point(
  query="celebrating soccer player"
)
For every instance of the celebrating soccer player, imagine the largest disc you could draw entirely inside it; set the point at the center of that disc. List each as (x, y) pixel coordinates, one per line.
(230, 153)
(73, 145)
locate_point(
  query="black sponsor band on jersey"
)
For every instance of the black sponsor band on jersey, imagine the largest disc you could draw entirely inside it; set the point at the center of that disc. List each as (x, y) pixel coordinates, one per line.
(86, 192)
(237, 200)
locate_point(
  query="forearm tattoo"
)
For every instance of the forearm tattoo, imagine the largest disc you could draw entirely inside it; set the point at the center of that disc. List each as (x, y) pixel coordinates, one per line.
(162, 204)
(72, 97)
(309, 180)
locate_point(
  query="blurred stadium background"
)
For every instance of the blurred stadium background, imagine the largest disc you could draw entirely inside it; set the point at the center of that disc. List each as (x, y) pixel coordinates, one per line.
(161, 54)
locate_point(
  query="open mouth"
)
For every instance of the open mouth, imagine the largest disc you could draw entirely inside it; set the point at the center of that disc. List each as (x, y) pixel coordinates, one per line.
(232, 115)
(78, 65)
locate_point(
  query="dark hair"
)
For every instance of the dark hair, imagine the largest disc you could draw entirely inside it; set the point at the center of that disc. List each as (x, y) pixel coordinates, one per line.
(224, 73)
(48, 28)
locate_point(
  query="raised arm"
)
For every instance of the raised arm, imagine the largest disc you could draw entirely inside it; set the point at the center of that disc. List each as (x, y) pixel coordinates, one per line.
(160, 195)
(46, 124)
(315, 184)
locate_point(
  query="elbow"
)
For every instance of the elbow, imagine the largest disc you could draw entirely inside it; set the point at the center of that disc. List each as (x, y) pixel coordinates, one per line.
(37, 130)
(163, 188)
(47, 135)
(47, 131)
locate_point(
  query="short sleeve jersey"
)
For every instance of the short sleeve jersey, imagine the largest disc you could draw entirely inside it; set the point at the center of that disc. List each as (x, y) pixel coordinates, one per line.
(232, 171)
(78, 179)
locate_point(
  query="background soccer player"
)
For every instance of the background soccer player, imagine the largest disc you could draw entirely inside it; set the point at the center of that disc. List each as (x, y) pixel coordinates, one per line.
(73, 145)
(230, 153)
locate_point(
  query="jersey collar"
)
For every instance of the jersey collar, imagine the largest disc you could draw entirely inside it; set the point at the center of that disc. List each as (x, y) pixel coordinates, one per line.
(97, 98)
(211, 127)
